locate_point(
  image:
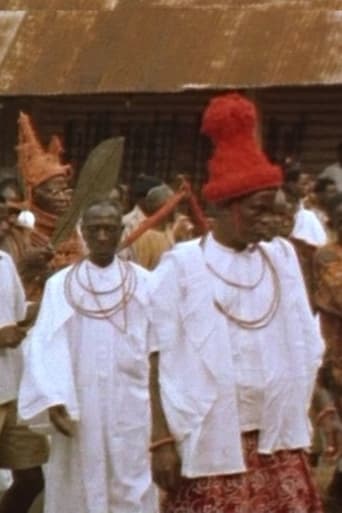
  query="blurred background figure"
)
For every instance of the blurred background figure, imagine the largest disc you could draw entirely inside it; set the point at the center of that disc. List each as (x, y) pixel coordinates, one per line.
(142, 185)
(121, 194)
(307, 226)
(324, 191)
(149, 247)
(137, 215)
(334, 171)
(176, 227)
(10, 189)
(328, 301)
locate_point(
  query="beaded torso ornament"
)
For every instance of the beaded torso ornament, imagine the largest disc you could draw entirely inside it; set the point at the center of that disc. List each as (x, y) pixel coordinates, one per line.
(271, 310)
(108, 304)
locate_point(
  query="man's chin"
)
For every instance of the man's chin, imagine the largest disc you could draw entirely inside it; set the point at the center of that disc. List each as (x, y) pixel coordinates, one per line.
(102, 258)
(263, 237)
(59, 209)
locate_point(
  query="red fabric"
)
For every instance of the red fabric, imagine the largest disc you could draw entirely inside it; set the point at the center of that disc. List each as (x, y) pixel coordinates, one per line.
(280, 483)
(154, 219)
(184, 192)
(238, 166)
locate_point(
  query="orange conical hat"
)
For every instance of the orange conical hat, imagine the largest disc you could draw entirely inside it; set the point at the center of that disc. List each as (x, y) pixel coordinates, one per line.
(35, 164)
(56, 147)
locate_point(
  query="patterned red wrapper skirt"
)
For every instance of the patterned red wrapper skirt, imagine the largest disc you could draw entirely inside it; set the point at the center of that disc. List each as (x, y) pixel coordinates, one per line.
(279, 483)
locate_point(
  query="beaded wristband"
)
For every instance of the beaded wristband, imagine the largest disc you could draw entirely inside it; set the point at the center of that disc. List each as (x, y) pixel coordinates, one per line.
(323, 413)
(159, 443)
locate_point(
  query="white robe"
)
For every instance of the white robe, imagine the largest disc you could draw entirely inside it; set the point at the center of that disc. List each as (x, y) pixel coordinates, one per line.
(309, 228)
(101, 376)
(229, 379)
(13, 310)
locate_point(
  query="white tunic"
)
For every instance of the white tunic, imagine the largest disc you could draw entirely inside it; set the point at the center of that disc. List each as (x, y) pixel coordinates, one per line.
(219, 379)
(309, 228)
(12, 310)
(246, 268)
(334, 173)
(101, 375)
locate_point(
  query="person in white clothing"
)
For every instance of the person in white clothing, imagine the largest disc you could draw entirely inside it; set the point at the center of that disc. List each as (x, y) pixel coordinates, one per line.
(307, 225)
(86, 370)
(334, 171)
(238, 346)
(22, 452)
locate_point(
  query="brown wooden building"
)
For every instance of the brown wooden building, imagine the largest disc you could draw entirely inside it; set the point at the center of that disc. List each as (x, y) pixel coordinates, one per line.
(145, 69)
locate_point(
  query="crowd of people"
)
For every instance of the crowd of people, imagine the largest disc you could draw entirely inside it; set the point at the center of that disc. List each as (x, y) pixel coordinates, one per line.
(168, 357)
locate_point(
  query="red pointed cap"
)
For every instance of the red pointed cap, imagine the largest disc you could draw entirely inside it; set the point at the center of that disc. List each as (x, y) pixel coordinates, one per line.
(238, 166)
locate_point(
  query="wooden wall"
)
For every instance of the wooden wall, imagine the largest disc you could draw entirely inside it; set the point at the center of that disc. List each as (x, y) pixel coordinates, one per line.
(163, 131)
(304, 121)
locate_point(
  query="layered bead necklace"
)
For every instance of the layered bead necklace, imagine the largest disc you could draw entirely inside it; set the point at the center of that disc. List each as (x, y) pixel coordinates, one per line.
(126, 289)
(268, 315)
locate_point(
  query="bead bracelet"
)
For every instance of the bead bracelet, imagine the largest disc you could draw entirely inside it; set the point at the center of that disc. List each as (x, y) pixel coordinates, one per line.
(160, 443)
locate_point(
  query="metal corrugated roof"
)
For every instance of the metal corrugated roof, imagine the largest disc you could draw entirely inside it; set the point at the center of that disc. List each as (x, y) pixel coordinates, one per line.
(222, 4)
(111, 4)
(53, 5)
(153, 47)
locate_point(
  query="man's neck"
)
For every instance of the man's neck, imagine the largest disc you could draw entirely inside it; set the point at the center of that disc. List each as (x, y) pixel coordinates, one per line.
(229, 242)
(45, 222)
(101, 262)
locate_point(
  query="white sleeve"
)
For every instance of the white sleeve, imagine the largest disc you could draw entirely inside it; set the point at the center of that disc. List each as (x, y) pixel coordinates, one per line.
(309, 228)
(307, 324)
(47, 377)
(20, 299)
(165, 303)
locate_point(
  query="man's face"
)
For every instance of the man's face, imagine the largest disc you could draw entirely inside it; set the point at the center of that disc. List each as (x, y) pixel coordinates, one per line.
(305, 184)
(326, 195)
(285, 208)
(101, 230)
(53, 196)
(4, 224)
(257, 213)
(250, 217)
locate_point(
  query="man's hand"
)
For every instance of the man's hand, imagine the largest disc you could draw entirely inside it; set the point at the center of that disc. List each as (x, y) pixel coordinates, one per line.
(60, 418)
(182, 228)
(166, 463)
(31, 315)
(166, 467)
(331, 428)
(11, 336)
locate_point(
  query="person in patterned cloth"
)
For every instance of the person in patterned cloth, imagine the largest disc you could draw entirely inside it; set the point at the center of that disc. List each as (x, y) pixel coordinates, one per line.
(328, 301)
(238, 346)
(47, 187)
